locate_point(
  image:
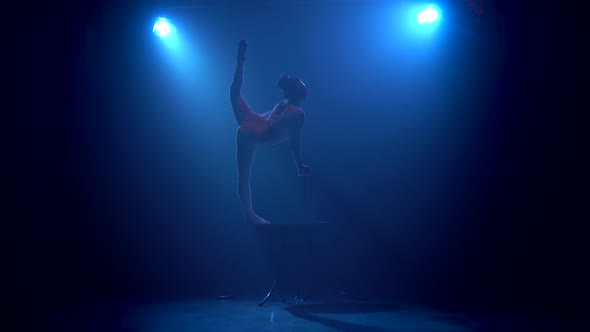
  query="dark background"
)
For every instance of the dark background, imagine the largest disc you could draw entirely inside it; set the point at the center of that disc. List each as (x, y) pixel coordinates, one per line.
(463, 187)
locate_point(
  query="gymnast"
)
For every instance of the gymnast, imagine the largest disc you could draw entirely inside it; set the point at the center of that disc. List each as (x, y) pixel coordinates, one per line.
(282, 124)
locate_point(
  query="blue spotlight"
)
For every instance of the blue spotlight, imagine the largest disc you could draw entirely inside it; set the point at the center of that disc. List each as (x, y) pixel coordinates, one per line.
(430, 14)
(163, 28)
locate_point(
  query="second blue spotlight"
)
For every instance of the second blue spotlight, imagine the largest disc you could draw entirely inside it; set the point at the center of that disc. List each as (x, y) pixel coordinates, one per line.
(430, 14)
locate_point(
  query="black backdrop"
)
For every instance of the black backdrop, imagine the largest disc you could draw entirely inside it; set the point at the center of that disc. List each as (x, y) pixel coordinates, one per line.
(536, 209)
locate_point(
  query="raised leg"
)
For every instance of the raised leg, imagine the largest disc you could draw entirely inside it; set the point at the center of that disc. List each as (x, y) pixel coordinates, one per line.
(242, 110)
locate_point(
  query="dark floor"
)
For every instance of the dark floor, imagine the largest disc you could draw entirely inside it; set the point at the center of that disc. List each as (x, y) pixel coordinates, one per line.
(243, 314)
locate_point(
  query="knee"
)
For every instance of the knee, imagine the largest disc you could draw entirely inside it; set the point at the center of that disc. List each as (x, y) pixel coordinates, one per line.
(244, 173)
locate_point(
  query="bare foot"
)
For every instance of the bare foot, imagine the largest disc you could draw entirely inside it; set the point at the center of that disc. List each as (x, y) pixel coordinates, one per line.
(256, 220)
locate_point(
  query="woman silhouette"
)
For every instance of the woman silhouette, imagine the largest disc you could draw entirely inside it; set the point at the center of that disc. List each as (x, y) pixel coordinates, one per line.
(282, 124)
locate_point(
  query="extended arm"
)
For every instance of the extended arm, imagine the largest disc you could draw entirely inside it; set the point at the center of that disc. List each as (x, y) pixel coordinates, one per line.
(295, 145)
(296, 148)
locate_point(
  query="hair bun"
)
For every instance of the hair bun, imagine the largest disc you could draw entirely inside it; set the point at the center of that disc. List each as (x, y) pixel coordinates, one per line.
(282, 83)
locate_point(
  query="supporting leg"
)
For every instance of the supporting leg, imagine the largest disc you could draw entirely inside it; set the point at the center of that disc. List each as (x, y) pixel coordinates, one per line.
(245, 158)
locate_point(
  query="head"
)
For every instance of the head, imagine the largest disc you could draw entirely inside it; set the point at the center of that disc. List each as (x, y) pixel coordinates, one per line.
(293, 88)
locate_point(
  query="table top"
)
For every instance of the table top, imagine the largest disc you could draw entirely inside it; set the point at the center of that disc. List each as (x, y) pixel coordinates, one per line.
(294, 224)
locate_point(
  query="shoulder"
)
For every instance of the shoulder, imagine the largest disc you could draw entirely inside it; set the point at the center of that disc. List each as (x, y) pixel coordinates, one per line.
(295, 112)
